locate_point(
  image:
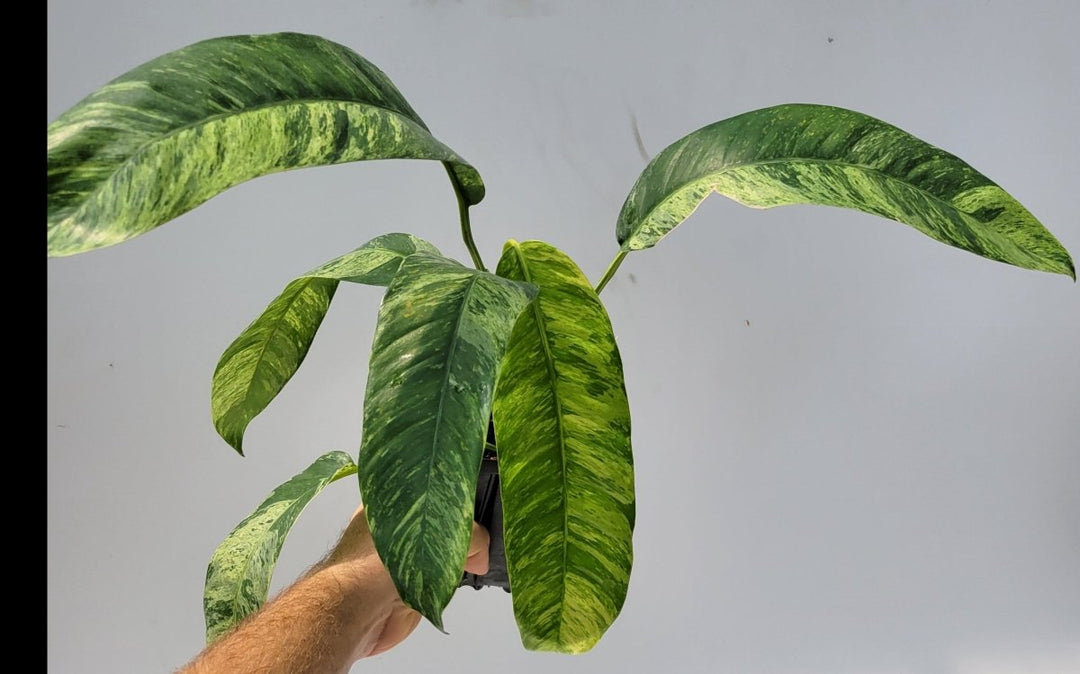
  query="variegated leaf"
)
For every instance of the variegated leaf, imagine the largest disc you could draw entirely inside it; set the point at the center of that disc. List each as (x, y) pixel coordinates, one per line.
(562, 427)
(818, 154)
(442, 330)
(238, 577)
(262, 359)
(174, 132)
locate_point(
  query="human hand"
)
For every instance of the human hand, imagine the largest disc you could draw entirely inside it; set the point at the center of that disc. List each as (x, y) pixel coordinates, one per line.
(355, 555)
(343, 609)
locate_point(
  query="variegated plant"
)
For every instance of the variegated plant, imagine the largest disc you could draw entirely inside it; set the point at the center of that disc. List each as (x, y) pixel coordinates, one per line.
(528, 347)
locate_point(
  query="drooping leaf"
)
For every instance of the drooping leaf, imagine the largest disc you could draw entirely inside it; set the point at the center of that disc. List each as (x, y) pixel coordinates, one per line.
(174, 132)
(240, 570)
(818, 154)
(562, 427)
(442, 330)
(265, 356)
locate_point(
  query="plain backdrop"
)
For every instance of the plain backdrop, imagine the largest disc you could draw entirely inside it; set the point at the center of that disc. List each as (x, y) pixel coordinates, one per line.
(856, 449)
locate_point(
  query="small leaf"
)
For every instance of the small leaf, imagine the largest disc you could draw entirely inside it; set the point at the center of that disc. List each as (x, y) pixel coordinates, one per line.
(442, 330)
(172, 133)
(562, 427)
(818, 154)
(239, 574)
(259, 362)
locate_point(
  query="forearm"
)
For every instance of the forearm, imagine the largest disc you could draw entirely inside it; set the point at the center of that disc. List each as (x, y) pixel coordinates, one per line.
(344, 609)
(321, 624)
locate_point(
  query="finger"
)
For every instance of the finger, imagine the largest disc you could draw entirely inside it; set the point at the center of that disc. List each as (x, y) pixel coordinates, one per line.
(477, 560)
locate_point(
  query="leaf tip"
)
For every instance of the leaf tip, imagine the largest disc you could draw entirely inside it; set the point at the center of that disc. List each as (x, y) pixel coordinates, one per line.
(236, 443)
(229, 432)
(436, 620)
(1064, 267)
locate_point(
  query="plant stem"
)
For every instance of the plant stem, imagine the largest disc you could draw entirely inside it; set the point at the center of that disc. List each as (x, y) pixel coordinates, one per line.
(463, 215)
(466, 234)
(611, 270)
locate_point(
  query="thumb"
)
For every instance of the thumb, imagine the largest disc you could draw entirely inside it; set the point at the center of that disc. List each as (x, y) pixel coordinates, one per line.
(477, 559)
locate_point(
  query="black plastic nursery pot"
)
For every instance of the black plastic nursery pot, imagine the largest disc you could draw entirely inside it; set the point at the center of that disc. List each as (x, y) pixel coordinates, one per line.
(488, 512)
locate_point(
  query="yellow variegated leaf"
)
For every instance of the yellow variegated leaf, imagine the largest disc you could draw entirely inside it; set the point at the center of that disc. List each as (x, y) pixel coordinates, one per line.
(562, 428)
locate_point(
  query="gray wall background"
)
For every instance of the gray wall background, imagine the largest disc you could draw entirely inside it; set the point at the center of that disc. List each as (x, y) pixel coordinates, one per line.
(856, 448)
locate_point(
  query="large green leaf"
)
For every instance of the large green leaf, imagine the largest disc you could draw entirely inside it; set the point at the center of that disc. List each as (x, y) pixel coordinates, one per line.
(562, 427)
(240, 570)
(262, 359)
(818, 154)
(174, 132)
(441, 334)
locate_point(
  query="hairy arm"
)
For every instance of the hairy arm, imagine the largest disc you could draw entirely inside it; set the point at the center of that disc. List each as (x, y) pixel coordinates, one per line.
(343, 609)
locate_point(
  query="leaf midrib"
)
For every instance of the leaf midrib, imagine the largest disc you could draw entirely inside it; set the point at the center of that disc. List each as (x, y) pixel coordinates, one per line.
(553, 376)
(451, 350)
